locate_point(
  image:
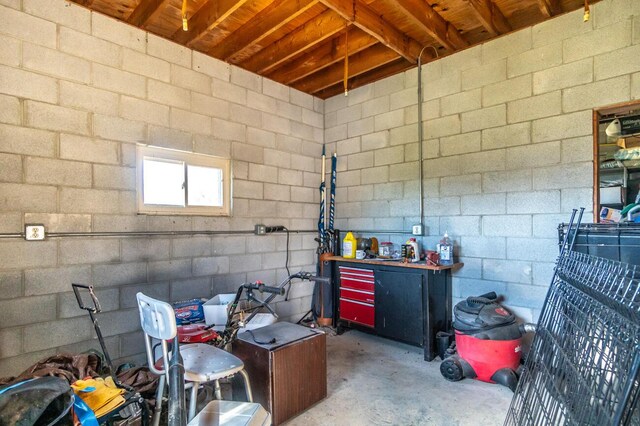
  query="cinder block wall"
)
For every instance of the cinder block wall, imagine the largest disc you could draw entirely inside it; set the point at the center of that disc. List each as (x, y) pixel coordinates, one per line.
(508, 146)
(78, 90)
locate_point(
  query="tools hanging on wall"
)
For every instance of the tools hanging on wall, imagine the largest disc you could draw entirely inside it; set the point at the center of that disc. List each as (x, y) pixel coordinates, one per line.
(326, 243)
(322, 303)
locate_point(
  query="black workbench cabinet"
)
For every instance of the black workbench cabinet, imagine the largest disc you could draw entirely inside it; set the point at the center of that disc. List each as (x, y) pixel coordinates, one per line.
(410, 304)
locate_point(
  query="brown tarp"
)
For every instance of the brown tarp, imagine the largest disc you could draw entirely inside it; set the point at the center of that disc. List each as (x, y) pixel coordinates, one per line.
(72, 367)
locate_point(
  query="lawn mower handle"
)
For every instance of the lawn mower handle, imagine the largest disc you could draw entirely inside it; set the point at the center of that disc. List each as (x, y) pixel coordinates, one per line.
(96, 304)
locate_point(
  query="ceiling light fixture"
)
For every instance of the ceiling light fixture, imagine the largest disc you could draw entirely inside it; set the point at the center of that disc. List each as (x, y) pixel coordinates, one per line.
(185, 23)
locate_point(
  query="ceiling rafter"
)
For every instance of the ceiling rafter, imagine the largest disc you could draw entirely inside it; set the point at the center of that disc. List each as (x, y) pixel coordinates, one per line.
(433, 24)
(359, 63)
(550, 7)
(391, 68)
(144, 11)
(325, 55)
(269, 20)
(308, 35)
(367, 20)
(205, 19)
(490, 17)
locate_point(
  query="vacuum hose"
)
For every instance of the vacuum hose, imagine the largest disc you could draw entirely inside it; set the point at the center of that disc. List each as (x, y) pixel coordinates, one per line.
(527, 327)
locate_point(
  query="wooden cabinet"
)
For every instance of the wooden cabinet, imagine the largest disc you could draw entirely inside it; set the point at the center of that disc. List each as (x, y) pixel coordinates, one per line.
(405, 302)
(287, 375)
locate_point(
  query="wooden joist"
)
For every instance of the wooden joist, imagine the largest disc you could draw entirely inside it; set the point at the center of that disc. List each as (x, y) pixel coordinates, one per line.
(305, 37)
(367, 20)
(264, 23)
(359, 63)
(550, 8)
(205, 19)
(379, 73)
(490, 17)
(323, 56)
(433, 24)
(144, 11)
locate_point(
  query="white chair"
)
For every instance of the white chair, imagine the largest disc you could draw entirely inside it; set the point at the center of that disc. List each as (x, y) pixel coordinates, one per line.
(202, 363)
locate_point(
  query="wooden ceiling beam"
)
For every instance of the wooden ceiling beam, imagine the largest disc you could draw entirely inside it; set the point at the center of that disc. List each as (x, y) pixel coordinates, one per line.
(205, 19)
(387, 70)
(86, 3)
(325, 55)
(359, 63)
(550, 8)
(144, 11)
(367, 20)
(308, 35)
(261, 25)
(433, 24)
(490, 17)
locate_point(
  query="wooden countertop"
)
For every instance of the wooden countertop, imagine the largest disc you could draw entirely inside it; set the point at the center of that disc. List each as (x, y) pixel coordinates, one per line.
(398, 263)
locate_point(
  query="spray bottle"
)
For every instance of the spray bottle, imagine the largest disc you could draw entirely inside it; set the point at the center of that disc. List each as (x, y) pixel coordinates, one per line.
(445, 250)
(416, 251)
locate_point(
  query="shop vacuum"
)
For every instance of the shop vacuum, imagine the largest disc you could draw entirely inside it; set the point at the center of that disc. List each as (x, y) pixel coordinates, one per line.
(488, 342)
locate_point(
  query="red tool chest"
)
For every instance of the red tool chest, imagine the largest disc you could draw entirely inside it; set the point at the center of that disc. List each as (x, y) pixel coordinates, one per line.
(357, 295)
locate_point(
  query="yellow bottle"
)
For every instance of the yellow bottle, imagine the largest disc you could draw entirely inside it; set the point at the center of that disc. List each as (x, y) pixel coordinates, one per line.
(349, 244)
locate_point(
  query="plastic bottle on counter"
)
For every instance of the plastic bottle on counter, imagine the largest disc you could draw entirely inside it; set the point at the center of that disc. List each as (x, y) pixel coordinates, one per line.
(445, 250)
(416, 250)
(349, 244)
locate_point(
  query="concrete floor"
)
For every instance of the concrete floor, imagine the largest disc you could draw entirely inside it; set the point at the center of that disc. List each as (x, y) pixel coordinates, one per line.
(376, 381)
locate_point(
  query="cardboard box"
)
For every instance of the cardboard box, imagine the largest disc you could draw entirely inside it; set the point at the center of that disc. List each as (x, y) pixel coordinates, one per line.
(608, 215)
(216, 310)
(629, 142)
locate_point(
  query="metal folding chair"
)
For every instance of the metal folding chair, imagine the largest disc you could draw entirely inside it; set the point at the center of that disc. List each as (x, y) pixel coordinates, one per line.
(202, 363)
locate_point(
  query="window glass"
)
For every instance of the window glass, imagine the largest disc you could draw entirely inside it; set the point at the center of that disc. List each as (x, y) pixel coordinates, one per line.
(163, 182)
(204, 186)
(183, 183)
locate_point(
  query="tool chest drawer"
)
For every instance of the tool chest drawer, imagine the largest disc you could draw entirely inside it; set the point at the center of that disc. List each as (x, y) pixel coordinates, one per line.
(357, 279)
(358, 312)
(357, 295)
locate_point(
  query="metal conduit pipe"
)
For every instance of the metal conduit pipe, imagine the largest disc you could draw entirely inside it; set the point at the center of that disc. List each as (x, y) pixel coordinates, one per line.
(148, 233)
(379, 231)
(420, 135)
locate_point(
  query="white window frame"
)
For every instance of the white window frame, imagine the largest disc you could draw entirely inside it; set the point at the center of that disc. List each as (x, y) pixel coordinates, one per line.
(189, 159)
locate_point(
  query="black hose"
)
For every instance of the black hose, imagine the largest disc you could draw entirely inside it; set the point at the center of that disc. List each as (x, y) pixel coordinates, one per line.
(479, 300)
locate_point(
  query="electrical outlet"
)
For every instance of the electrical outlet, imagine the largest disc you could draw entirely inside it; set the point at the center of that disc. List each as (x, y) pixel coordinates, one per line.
(34, 232)
(271, 229)
(417, 230)
(260, 229)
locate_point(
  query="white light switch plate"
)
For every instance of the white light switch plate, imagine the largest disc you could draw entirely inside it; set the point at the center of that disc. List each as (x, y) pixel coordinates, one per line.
(34, 232)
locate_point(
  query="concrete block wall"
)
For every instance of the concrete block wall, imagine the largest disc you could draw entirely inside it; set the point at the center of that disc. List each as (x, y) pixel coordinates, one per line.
(507, 148)
(78, 90)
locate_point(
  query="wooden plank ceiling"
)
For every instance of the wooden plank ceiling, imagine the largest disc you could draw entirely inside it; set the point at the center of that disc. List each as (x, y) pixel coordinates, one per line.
(303, 43)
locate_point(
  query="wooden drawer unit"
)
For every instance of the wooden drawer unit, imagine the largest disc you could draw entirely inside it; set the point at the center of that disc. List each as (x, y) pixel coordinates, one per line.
(287, 376)
(357, 296)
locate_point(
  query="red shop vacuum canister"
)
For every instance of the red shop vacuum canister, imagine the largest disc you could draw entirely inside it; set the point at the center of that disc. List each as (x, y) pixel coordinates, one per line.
(488, 342)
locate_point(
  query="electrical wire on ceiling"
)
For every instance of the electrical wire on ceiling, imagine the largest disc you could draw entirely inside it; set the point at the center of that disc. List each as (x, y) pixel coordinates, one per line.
(185, 22)
(587, 12)
(346, 59)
